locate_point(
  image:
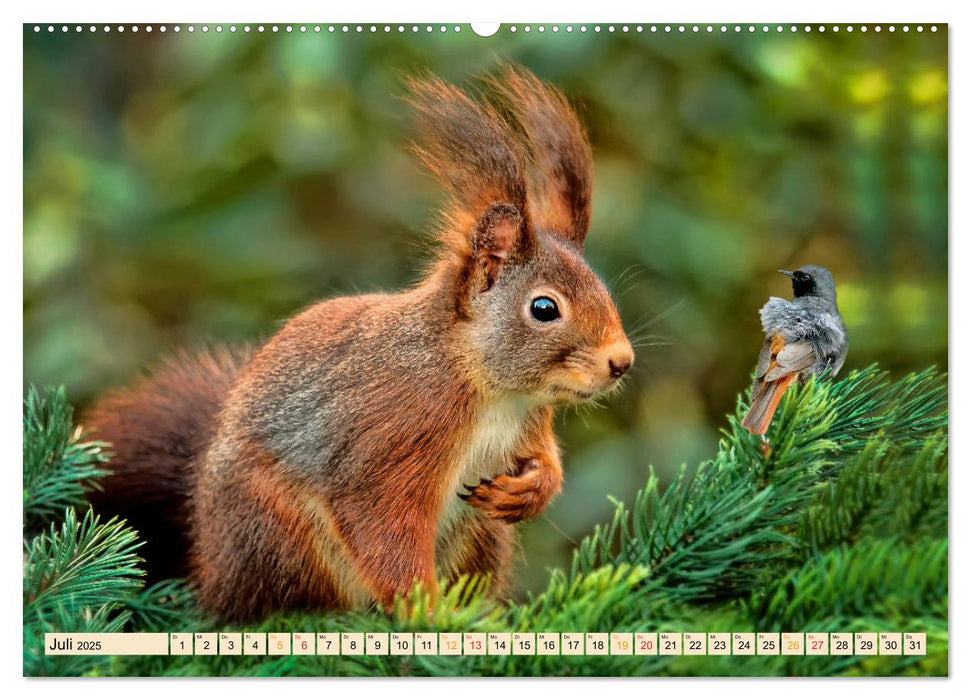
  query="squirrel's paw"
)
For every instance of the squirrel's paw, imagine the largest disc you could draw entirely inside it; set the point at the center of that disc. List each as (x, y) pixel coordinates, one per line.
(515, 497)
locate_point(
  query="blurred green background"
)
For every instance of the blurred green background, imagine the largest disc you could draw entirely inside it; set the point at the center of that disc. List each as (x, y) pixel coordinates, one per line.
(196, 187)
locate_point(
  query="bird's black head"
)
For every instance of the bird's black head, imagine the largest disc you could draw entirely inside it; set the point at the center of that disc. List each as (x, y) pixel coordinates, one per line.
(812, 281)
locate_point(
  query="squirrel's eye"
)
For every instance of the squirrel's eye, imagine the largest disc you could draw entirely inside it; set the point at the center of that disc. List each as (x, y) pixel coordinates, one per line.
(544, 309)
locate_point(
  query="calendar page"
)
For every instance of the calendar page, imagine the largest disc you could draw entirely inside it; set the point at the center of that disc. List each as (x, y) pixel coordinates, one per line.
(516, 349)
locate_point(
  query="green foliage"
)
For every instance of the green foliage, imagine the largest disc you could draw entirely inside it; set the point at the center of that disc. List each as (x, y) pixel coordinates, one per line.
(161, 607)
(837, 523)
(76, 578)
(712, 532)
(80, 574)
(58, 466)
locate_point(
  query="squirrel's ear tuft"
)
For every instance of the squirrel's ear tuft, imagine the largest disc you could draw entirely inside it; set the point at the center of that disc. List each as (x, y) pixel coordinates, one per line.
(501, 236)
(560, 171)
(474, 153)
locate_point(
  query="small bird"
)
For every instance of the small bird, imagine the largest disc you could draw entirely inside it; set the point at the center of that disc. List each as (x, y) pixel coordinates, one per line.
(802, 337)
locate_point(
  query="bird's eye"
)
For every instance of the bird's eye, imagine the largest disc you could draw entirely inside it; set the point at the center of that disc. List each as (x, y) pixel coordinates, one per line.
(544, 309)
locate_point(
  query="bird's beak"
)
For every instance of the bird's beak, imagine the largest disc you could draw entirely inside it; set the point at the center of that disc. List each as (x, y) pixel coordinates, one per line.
(787, 273)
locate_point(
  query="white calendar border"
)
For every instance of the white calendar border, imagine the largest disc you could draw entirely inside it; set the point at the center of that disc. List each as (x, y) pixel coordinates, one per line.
(508, 10)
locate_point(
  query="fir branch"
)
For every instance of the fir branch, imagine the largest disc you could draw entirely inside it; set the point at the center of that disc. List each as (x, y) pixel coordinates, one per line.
(837, 510)
(852, 581)
(713, 535)
(913, 499)
(62, 617)
(85, 563)
(867, 498)
(58, 466)
(75, 577)
(161, 607)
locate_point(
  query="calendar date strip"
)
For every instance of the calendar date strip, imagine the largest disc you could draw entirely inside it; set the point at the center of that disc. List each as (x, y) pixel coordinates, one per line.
(487, 644)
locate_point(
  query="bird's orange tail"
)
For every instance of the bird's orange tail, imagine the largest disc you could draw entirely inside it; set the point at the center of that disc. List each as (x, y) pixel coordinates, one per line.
(764, 403)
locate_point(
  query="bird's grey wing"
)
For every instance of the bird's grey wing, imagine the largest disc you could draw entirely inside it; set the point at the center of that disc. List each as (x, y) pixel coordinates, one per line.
(765, 359)
(794, 357)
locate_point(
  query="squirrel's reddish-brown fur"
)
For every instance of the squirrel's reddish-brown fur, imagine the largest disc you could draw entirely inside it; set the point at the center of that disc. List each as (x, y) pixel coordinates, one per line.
(380, 440)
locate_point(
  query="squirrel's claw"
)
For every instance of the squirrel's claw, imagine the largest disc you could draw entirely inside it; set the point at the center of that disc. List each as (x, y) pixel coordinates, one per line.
(470, 490)
(513, 497)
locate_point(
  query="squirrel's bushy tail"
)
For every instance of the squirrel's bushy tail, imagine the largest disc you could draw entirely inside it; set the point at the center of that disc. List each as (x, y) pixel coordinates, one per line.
(157, 428)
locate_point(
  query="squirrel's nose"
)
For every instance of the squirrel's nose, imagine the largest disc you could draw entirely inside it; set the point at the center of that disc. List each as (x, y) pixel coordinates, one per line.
(619, 366)
(620, 356)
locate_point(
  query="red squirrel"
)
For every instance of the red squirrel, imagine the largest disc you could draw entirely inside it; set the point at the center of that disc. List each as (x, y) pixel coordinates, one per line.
(384, 439)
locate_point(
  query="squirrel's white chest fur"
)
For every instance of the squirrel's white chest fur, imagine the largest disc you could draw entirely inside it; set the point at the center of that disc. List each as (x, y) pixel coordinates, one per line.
(490, 451)
(498, 428)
